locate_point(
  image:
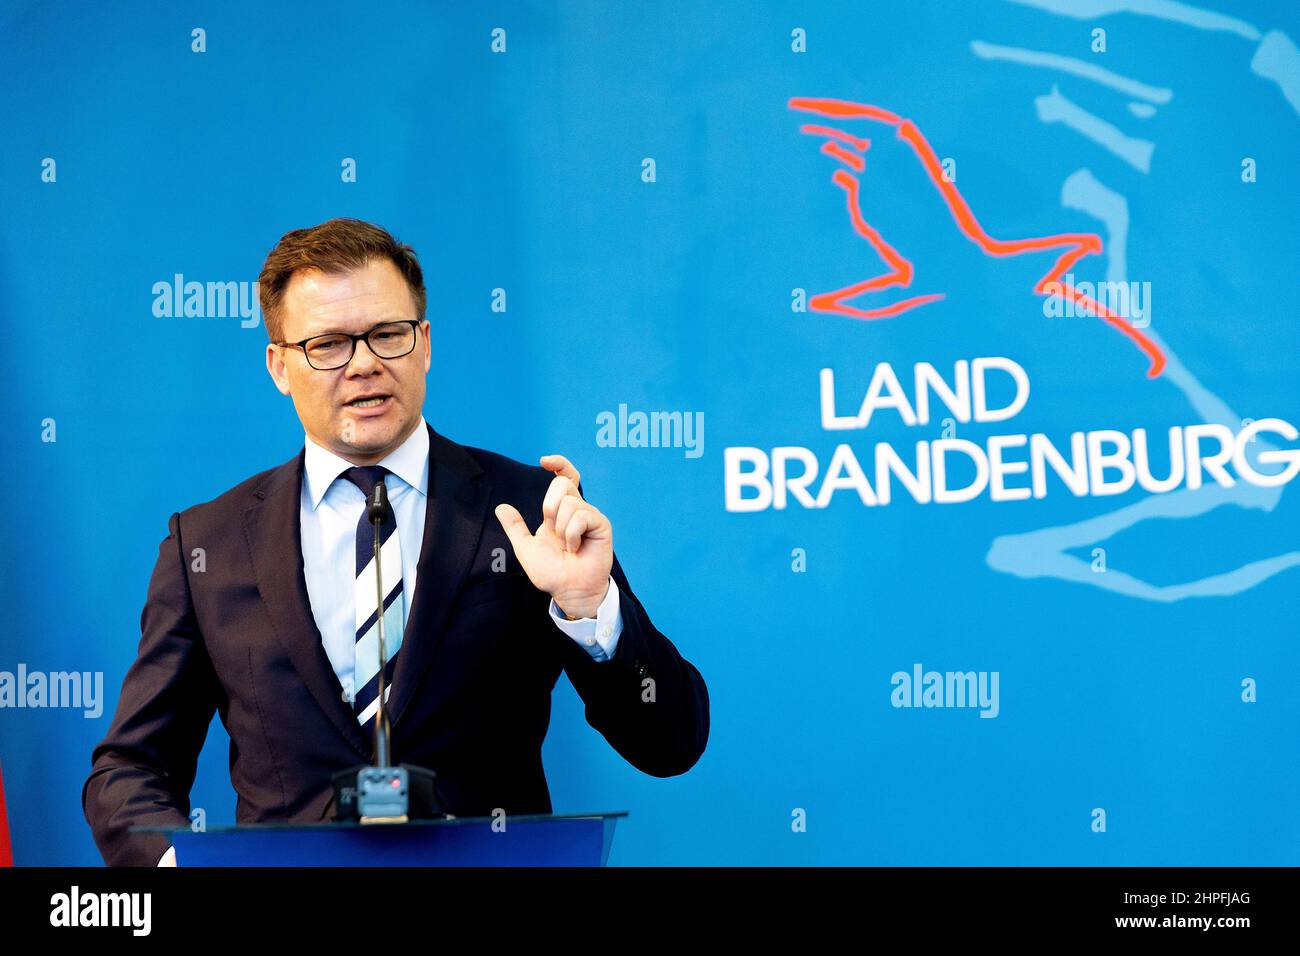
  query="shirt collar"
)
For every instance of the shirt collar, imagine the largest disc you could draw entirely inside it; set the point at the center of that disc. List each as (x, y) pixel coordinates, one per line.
(409, 461)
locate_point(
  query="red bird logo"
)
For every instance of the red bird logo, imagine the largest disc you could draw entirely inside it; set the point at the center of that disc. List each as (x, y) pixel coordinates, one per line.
(850, 150)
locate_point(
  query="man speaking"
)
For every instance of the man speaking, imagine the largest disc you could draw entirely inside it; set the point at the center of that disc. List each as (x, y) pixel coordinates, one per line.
(262, 606)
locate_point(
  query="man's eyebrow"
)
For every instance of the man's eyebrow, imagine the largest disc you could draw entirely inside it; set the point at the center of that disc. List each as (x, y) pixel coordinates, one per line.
(377, 322)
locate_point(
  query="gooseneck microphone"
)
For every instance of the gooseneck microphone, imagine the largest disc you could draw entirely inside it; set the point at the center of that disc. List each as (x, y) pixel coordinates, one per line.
(381, 792)
(377, 510)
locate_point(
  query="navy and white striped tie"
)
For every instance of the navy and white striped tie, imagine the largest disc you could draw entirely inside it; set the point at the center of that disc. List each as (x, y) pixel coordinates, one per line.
(365, 674)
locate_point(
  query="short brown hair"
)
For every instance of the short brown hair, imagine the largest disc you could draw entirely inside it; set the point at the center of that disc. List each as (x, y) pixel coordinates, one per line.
(334, 246)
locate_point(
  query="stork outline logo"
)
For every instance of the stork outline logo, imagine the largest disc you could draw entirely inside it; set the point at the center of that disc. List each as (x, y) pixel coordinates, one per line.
(851, 150)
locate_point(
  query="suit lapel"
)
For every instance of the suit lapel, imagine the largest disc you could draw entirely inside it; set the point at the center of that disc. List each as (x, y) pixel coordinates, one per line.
(273, 530)
(455, 511)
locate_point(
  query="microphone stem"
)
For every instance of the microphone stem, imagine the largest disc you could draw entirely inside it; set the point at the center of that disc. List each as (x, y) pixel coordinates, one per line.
(381, 715)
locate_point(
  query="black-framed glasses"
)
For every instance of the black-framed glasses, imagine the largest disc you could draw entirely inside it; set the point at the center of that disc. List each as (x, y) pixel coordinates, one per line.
(388, 340)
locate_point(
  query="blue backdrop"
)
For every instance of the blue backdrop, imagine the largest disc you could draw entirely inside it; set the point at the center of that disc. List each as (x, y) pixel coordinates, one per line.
(630, 182)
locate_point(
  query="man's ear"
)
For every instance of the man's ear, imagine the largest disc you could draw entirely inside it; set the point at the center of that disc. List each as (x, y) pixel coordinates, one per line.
(428, 346)
(275, 368)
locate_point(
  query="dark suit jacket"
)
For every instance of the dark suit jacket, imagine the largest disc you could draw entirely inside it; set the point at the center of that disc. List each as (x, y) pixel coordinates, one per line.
(471, 694)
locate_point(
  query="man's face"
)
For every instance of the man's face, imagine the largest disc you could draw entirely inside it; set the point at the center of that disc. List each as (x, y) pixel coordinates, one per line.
(354, 302)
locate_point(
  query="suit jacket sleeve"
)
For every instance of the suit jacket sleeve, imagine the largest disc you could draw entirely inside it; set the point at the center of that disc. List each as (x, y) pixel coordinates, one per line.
(648, 701)
(142, 771)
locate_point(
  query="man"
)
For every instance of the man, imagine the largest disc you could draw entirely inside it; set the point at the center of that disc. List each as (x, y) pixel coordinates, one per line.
(262, 606)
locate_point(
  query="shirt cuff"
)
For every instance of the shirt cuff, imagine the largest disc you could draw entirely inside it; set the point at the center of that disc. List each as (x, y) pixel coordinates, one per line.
(598, 635)
(168, 858)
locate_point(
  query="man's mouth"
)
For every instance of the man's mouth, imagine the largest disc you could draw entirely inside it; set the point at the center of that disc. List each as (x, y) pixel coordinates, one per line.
(367, 401)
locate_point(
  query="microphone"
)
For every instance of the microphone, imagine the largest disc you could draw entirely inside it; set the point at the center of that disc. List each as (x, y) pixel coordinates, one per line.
(381, 793)
(377, 506)
(377, 509)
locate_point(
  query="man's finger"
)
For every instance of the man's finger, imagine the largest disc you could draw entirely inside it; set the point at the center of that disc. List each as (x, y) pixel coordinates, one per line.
(560, 486)
(561, 466)
(512, 522)
(568, 505)
(577, 526)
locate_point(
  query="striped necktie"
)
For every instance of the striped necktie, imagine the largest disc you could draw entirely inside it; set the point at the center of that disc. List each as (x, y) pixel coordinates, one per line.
(365, 673)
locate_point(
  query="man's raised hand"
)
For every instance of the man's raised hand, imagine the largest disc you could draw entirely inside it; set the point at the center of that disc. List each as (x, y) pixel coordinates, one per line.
(570, 555)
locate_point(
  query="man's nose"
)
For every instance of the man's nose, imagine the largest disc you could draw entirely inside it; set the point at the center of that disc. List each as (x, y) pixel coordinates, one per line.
(364, 361)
